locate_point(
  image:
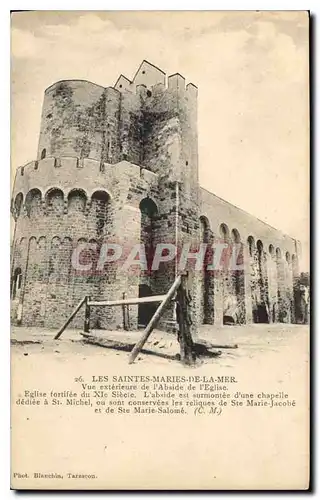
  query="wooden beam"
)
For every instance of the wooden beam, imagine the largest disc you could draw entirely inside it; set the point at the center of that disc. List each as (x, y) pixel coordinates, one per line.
(72, 315)
(127, 302)
(125, 313)
(155, 318)
(187, 354)
(86, 327)
(209, 345)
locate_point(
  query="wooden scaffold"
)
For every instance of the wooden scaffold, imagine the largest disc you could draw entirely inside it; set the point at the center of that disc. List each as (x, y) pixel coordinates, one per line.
(180, 291)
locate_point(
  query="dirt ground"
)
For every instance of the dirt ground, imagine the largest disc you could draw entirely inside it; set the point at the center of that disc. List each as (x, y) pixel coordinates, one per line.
(255, 343)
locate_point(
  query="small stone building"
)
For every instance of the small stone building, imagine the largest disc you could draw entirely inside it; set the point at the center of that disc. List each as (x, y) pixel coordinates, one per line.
(120, 164)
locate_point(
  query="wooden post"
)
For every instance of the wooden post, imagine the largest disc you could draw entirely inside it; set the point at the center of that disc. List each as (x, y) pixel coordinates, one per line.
(155, 318)
(187, 355)
(125, 313)
(128, 316)
(86, 327)
(72, 315)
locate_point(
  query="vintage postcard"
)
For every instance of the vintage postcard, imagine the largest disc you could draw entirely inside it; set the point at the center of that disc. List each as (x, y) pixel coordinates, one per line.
(159, 250)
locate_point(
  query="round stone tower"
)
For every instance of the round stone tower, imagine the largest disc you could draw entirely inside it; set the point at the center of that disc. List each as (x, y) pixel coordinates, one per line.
(105, 156)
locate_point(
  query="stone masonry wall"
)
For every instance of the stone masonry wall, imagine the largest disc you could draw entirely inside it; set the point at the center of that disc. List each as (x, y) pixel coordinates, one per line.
(269, 275)
(52, 221)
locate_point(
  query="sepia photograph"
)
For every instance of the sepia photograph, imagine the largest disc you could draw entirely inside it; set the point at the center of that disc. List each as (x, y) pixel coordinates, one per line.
(160, 280)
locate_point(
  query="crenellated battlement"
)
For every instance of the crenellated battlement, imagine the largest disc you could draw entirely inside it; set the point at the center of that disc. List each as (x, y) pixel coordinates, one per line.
(153, 79)
(68, 173)
(148, 76)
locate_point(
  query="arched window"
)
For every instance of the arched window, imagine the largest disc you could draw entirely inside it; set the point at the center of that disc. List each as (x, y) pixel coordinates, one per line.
(18, 204)
(261, 260)
(224, 232)
(54, 270)
(149, 212)
(262, 311)
(250, 242)
(235, 236)
(100, 207)
(55, 201)
(260, 247)
(148, 207)
(43, 153)
(77, 200)
(16, 282)
(280, 285)
(204, 229)
(237, 276)
(271, 250)
(33, 202)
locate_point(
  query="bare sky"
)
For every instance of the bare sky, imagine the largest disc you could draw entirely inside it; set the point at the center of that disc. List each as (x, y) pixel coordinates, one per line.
(251, 69)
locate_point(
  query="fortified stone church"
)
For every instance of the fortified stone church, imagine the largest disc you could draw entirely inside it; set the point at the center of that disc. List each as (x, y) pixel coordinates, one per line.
(120, 164)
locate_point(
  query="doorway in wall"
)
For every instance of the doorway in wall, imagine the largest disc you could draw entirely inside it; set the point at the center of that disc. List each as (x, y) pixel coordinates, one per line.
(145, 311)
